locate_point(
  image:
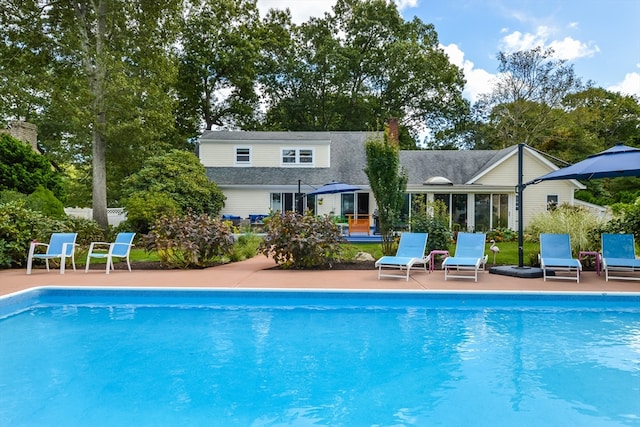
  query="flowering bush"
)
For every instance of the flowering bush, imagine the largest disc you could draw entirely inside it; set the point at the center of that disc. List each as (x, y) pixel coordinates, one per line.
(189, 241)
(302, 241)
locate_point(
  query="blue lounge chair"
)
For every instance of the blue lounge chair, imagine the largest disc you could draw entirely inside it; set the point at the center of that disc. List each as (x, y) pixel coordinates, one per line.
(118, 249)
(61, 245)
(555, 254)
(410, 252)
(619, 256)
(469, 256)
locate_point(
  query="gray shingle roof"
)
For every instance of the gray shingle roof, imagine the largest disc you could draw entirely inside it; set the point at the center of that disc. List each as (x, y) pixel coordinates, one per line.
(348, 160)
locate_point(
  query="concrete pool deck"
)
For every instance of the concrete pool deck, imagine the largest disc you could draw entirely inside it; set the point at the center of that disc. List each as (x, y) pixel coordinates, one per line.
(257, 273)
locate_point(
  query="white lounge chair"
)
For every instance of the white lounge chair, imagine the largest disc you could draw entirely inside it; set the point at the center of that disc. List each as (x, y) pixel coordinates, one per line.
(619, 257)
(118, 249)
(469, 256)
(61, 245)
(410, 252)
(555, 254)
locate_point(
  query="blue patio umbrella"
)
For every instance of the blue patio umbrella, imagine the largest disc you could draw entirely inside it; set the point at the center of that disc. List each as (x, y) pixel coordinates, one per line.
(619, 160)
(334, 187)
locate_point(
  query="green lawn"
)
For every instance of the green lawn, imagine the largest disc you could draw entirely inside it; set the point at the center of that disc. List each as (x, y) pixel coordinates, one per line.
(508, 254)
(136, 254)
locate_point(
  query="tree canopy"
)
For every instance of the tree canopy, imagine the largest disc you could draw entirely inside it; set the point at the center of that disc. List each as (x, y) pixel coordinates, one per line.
(356, 67)
(98, 81)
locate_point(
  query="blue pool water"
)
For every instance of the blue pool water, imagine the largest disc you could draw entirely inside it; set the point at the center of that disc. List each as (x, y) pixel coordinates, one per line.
(284, 358)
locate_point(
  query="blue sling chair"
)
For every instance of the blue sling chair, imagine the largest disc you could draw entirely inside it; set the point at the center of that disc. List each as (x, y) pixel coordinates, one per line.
(118, 249)
(619, 259)
(61, 245)
(410, 252)
(469, 257)
(555, 254)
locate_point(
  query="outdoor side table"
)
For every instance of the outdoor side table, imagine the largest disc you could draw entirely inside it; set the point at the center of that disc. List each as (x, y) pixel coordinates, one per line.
(594, 254)
(432, 257)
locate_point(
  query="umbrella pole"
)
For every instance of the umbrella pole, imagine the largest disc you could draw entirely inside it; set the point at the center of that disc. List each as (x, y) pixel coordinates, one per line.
(520, 204)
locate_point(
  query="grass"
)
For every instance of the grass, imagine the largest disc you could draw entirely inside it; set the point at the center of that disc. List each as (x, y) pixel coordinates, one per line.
(139, 255)
(508, 254)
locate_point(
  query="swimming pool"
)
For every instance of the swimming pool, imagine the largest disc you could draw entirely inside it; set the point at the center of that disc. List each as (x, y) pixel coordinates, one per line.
(273, 358)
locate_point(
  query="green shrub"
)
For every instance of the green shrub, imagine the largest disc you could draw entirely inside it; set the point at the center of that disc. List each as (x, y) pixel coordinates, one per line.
(19, 226)
(246, 246)
(502, 235)
(143, 209)
(22, 169)
(626, 220)
(45, 202)
(7, 196)
(179, 177)
(302, 241)
(41, 200)
(88, 231)
(434, 221)
(189, 241)
(576, 221)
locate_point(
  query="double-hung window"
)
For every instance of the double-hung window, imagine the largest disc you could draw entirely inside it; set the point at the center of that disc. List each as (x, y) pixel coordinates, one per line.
(297, 157)
(243, 156)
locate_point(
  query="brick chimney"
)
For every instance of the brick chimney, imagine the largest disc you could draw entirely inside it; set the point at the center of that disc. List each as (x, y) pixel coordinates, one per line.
(25, 132)
(393, 130)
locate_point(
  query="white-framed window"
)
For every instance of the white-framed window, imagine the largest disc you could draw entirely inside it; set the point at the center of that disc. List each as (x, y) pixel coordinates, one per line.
(552, 201)
(297, 157)
(243, 156)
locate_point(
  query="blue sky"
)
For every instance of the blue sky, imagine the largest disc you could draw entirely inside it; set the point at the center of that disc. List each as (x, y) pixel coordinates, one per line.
(601, 38)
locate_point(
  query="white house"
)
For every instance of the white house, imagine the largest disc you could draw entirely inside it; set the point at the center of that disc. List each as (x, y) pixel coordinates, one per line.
(260, 172)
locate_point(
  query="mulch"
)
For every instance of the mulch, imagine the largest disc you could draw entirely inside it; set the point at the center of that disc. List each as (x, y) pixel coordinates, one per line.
(156, 265)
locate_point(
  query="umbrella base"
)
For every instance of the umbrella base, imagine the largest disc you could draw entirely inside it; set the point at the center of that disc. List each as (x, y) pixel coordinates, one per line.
(515, 271)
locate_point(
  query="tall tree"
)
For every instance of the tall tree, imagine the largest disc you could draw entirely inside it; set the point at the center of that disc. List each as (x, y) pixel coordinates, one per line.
(521, 107)
(101, 94)
(360, 65)
(388, 181)
(218, 65)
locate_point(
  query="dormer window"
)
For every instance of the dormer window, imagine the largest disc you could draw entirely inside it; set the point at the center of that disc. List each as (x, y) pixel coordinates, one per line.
(297, 157)
(243, 156)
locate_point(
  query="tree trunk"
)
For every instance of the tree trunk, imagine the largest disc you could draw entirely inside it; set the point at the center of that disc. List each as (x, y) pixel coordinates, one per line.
(95, 68)
(99, 176)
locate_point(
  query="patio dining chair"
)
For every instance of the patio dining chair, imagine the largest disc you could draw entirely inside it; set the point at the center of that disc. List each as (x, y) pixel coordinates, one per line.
(120, 248)
(555, 254)
(469, 256)
(410, 252)
(61, 245)
(619, 257)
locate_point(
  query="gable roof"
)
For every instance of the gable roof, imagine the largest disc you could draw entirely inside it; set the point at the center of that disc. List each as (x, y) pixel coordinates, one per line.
(348, 159)
(459, 167)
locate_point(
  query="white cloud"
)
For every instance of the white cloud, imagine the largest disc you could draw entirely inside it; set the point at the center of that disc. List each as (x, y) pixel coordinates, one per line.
(404, 4)
(629, 86)
(567, 48)
(570, 49)
(479, 81)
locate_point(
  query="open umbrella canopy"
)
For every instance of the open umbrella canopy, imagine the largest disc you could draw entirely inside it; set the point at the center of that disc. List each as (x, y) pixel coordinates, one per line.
(334, 187)
(619, 160)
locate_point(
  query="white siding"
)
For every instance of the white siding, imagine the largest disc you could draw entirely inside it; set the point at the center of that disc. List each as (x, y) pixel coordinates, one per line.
(246, 202)
(534, 196)
(263, 154)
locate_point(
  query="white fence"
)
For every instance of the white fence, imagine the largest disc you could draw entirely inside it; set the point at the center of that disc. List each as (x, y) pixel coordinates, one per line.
(114, 215)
